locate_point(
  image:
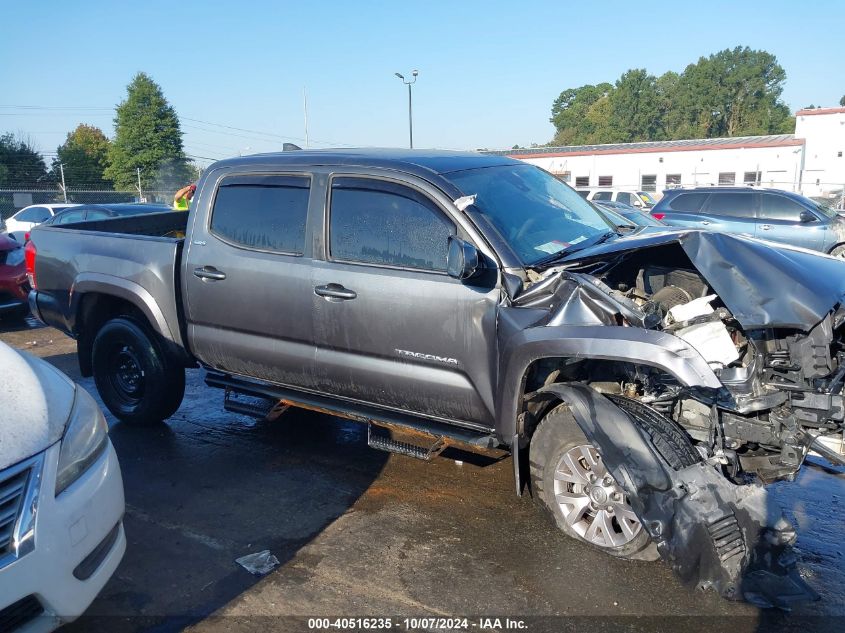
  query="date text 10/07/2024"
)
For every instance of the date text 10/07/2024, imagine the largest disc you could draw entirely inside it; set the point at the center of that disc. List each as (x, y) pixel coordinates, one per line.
(413, 624)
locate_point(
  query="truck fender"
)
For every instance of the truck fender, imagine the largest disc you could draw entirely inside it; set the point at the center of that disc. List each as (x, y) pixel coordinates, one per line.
(713, 533)
(624, 344)
(123, 289)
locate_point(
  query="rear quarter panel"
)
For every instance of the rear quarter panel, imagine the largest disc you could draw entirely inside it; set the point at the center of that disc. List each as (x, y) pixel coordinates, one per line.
(140, 269)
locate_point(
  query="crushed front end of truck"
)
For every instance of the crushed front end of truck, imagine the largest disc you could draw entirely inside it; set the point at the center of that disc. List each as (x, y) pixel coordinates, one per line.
(747, 357)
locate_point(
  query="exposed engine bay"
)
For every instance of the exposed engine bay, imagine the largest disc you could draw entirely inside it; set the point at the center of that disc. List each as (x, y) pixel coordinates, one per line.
(768, 326)
(783, 387)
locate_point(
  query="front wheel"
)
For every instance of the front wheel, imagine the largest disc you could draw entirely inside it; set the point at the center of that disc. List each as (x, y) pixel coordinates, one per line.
(571, 483)
(137, 381)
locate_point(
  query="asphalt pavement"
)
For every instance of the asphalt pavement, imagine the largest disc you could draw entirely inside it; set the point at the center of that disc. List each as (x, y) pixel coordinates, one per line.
(359, 533)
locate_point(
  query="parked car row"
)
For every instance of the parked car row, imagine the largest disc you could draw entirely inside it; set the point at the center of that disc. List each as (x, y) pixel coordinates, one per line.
(630, 197)
(14, 286)
(21, 223)
(33, 215)
(767, 214)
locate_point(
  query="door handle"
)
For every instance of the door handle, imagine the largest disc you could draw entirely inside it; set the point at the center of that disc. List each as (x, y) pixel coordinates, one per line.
(765, 227)
(210, 273)
(706, 222)
(335, 291)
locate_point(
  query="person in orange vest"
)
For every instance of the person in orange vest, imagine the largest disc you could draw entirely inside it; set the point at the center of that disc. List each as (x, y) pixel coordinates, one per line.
(182, 198)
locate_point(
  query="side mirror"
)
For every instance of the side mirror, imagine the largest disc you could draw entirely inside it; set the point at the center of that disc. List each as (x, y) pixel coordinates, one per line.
(806, 216)
(462, 260)
(638, 204)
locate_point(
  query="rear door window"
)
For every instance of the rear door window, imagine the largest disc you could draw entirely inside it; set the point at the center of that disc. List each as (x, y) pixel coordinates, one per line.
(259, 212)
(625, 198)
(734, 205)
(688, 202)
(97, 214)
(384, 223)
(69, 217)
(602, 195)
(775, 207)
(34, 214)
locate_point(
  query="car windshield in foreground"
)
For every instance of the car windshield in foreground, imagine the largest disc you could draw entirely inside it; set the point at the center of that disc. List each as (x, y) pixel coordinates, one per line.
(534, 212)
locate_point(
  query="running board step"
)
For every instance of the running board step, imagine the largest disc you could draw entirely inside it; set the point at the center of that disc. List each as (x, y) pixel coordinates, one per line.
(389, 445)
(261, 408)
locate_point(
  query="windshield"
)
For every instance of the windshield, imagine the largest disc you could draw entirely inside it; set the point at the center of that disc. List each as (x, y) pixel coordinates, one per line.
(535, 213)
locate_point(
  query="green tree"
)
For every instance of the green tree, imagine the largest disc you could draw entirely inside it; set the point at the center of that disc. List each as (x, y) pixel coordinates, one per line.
(569, 113)
(842, 101)
(735, 92)
(20, 164)
(147, 136)
(600, 117)
(84, 155)
(635, 103)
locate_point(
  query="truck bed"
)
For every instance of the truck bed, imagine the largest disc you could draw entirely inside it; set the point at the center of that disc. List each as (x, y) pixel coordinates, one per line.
(171, 224)
(134, 258)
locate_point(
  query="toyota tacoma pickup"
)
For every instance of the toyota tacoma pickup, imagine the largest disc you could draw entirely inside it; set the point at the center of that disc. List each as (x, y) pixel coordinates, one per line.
(648, 384)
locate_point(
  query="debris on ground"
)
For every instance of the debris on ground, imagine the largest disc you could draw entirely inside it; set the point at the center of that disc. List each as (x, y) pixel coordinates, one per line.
(258, 564)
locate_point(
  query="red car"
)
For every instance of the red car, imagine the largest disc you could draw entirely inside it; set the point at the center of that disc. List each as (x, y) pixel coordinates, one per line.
(14, 287)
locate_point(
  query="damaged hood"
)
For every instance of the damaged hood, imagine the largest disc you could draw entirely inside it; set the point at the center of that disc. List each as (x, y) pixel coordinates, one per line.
(763, 284)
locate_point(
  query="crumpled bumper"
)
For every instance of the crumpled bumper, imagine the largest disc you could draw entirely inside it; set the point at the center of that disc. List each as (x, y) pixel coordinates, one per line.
(714, 533)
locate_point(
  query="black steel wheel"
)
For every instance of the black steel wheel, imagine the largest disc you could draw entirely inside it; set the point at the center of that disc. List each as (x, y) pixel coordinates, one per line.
(137, 381)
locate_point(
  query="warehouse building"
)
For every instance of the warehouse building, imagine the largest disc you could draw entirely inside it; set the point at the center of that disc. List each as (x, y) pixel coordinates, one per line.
(810, 161)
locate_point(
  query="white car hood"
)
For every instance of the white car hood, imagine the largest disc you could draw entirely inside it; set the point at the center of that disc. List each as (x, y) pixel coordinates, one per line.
(35, 403)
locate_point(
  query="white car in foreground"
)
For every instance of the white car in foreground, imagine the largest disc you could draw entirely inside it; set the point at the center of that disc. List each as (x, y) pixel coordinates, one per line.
(61, 496)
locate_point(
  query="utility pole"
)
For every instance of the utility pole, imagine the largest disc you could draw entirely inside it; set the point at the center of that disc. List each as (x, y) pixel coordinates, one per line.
(305, 107)
(410, 110)
(64, 187)
(140, 192)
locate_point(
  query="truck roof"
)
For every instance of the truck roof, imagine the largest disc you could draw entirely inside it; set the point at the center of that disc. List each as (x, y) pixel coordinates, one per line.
(421, 162)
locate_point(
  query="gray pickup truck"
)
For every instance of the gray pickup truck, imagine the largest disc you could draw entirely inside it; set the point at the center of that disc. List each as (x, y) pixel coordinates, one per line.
(647, 384)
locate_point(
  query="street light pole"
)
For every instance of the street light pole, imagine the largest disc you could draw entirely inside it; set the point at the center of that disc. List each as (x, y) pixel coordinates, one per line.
(64, 187)
(410, 105)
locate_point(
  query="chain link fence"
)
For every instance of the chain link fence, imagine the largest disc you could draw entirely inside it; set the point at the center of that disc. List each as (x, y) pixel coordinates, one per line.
(13, 200)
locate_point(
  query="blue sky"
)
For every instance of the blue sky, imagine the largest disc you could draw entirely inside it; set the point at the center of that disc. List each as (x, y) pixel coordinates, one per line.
(489, 70)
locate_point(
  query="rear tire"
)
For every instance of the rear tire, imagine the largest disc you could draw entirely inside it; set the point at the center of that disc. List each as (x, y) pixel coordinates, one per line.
(572, 485)
(137, 380)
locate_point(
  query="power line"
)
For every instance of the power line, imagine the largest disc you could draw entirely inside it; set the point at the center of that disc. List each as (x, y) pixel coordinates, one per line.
(194, 120)
(40, 107)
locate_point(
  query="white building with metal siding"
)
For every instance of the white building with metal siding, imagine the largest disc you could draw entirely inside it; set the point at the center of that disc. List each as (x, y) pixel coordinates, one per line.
(809, 161)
